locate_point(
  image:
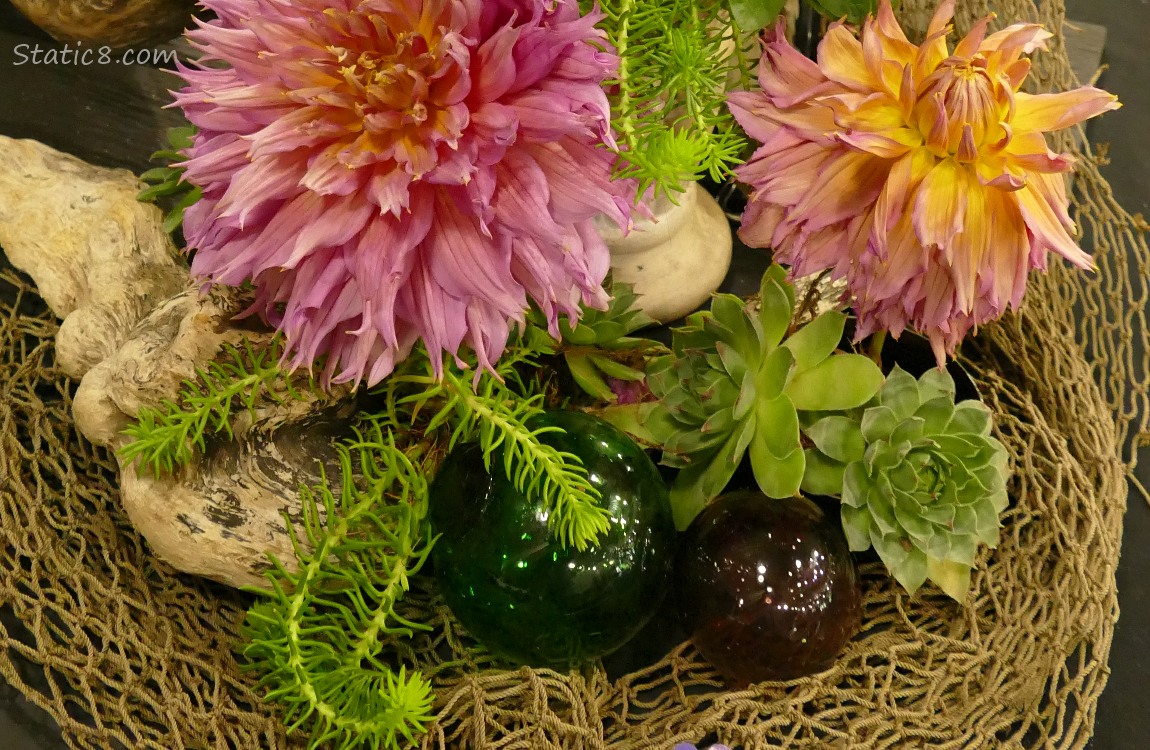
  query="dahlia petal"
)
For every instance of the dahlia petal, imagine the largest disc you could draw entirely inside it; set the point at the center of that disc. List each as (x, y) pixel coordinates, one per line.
(844, 187)
(521, 201)
(1057, 111)
(1016, 40)
(971, 43)
(1043, 222)
(784, 72)
(751, 110)
(894, 42)
(841, 59)
(894, 201)
(464, 262)
(575, 197)
(390, 190)
(326, 176)
(940, 208)
(874, 144)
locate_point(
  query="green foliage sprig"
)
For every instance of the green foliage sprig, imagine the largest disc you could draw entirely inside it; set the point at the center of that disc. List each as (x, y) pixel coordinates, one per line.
(164, 439)
(488, 410)
(316, 640)
(669, 95)
(168, 181)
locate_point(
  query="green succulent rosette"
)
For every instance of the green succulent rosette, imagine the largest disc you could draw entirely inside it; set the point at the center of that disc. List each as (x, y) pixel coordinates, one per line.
(735, 383)
(922, 481)
(599, 346)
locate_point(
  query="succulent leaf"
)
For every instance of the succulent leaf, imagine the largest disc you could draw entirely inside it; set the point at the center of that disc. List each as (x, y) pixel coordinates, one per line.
(838, 383)
(777, 298)
(699, 482)
(839, 438)
(817, 340)
(587, 378)
(823, 475)
(775, 373)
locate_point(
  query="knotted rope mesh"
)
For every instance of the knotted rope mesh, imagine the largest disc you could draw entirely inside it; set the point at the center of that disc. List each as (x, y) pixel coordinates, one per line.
(125, 653)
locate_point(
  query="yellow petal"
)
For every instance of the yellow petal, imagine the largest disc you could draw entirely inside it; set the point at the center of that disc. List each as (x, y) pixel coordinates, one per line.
(1043, 220)
(1056, 111)
(841, 59)
(940, 207)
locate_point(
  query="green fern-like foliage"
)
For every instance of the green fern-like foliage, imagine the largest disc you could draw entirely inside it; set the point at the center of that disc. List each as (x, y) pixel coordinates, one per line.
(493, 410)
(316, 640)
(669, 95)
(168, 181)
(166, 438)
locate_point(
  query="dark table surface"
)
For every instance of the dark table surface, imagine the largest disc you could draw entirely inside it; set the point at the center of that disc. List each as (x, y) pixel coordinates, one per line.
(111, 115)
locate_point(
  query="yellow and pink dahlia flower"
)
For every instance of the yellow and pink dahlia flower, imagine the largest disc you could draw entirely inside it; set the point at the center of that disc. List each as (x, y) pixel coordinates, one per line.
(920, 174)
(387, 171)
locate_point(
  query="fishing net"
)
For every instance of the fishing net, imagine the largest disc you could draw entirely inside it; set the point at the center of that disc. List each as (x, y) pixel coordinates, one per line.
(126, 653)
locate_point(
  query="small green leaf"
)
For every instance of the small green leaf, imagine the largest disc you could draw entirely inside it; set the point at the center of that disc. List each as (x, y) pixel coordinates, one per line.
(817, 340)
(856, 527)
(733, 362)
(839, 438)
(936, 383)
(588, 378)
(731, 312)
(170, 187)
(778, 426)
(778, 304)
(649, 423)
(908, 431)
(900, 393)
(697, 484)
(774, 373)
(878, 423)
(615, 369)
(752, 15)
(822, 475)
(579, 336)
(935, 414)
(157, 174)
(722, 420)
(971, 417)
(838, 383)
(777, 477)
(952, 577)
(911, 571)
(746, 398)
(856, 485)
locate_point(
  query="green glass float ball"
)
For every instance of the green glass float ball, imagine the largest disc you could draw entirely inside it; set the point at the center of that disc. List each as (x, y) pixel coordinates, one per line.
(515, 587)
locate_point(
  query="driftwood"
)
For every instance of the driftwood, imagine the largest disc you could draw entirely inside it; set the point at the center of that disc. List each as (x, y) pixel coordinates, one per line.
(135, 327)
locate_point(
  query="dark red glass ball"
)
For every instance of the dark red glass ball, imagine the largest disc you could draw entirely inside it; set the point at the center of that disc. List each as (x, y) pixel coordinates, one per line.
(767, 588)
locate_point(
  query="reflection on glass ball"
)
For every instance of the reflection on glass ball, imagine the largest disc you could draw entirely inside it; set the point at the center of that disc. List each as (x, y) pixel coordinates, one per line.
(767, 588)
(515, 588)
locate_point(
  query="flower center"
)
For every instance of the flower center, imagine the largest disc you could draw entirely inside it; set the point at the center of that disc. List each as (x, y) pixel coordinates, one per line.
(958, 111)
(403, 81)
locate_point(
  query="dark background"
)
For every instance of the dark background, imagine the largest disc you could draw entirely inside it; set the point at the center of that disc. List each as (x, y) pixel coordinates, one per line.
(111, 115)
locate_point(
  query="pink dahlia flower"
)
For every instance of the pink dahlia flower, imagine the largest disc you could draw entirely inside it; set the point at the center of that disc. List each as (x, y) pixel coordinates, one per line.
(922, 175)
(386, 171)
